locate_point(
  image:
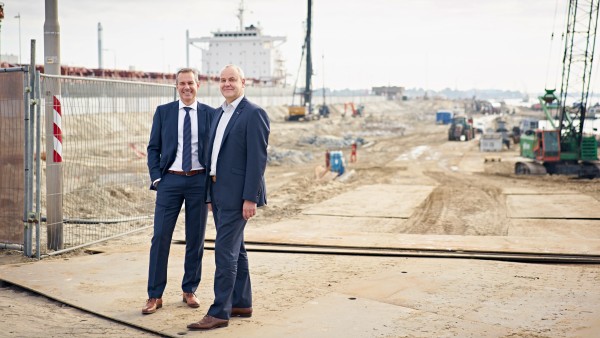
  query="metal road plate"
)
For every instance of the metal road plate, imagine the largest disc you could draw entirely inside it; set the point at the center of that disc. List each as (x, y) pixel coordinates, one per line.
(552, 206)
(381, 200)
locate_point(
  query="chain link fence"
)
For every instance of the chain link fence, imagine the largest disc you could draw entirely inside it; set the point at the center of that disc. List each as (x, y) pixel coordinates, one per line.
(104, 129)
(93, 183)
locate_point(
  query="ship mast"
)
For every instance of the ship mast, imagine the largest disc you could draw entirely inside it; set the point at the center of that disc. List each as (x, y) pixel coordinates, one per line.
(241, 15)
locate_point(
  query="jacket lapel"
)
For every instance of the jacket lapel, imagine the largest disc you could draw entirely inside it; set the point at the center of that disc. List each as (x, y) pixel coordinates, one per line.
(173, 123)
(201, 122)
(234, 117)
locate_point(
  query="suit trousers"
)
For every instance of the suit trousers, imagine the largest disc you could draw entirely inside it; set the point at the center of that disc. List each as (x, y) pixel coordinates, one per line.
(232, 285)
(172, 192)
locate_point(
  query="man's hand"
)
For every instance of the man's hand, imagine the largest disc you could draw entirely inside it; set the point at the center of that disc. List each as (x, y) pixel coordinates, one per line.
(249, 209)
(209, 206)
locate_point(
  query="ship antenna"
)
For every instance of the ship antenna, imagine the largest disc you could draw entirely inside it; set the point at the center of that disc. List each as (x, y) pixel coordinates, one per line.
(241, 15)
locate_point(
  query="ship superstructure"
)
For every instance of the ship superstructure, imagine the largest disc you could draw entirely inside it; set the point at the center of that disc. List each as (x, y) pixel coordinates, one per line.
(257, 54)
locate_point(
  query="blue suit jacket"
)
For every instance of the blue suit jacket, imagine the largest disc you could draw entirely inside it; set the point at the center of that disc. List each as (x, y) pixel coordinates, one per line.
(162, 147)
(242, 157)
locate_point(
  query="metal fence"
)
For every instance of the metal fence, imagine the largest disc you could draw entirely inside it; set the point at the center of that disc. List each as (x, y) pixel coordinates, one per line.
(87, 180)
(12, 178)
(104, 127)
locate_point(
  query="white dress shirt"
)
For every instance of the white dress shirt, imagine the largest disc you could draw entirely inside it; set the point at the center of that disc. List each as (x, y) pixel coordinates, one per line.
(228, 110)
(177, 164)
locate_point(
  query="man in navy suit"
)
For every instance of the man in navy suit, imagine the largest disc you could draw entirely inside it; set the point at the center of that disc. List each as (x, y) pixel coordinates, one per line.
(238, 158)
(177, 161)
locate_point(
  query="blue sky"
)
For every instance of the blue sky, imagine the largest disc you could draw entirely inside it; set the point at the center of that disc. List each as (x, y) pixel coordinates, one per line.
(434, 44)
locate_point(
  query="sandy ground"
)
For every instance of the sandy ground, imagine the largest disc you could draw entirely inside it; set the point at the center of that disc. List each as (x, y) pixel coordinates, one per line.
(402, 146)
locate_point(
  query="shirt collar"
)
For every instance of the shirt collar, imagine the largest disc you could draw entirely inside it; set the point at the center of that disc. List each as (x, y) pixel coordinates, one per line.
(193, 105)
(234, 104)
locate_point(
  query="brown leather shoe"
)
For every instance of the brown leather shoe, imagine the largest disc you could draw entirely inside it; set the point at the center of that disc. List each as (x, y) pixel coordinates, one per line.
(208, 323)
(241, 312)
(191, 299)
(152, 305)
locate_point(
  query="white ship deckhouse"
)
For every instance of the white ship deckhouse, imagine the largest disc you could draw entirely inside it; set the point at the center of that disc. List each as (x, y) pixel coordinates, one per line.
(255, 53)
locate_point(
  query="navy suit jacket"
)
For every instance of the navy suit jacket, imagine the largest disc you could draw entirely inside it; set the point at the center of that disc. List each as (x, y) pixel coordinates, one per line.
(162, 147)
(242, 157)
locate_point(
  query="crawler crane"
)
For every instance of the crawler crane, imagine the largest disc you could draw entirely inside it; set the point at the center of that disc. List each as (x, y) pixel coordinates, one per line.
(564, 149)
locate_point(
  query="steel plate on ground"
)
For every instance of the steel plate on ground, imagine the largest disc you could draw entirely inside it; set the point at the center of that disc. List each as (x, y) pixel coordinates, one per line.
(380, 200)
(553, 206)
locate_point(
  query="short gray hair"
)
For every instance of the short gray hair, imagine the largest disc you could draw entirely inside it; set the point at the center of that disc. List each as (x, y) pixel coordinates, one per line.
(237, 69)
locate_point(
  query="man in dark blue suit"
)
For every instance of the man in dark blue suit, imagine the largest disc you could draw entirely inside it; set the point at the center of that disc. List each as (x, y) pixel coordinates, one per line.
(238, 158)
(177, 161)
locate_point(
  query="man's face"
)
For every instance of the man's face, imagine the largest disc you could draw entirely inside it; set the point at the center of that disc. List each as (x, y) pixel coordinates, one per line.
(187, 86)
(232, 86)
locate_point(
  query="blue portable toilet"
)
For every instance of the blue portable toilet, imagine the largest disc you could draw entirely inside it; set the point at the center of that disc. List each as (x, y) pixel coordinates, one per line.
(443, 117)
(336, 161)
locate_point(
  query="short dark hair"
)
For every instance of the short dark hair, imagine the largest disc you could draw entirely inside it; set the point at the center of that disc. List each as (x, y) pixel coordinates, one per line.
(187, 70)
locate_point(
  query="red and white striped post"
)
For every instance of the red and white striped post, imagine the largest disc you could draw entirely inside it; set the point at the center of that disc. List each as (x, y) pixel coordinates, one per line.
(57, 128)
(54, 163)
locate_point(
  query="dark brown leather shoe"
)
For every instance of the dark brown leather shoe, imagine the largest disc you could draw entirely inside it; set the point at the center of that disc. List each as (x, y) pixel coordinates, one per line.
(241, 312)
(152, 305)
(208, 323)
(191, 299)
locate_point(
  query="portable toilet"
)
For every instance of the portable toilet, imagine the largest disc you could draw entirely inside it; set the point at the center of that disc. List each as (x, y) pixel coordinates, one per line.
(336, 161)
(443, 117)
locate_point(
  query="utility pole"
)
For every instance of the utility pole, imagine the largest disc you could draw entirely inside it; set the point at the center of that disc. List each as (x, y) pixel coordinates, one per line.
(18, 16)
(323, 75)
(100, 50)
(307, 88)
(54, 168)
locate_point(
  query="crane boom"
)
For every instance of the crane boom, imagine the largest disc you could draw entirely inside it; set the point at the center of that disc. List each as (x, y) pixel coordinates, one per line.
(580, 43)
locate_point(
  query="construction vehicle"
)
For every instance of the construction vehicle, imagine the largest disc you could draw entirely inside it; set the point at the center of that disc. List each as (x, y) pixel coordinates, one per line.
(324, 110)
(500, 125)
(304, 111)
(526, 126)
(564, 149)
(461, 129)
(356, 111)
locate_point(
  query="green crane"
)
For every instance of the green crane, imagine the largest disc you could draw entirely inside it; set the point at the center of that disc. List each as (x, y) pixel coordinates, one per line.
(564, 149)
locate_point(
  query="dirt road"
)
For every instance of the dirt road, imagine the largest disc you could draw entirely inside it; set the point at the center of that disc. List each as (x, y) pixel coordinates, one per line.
(399, 144)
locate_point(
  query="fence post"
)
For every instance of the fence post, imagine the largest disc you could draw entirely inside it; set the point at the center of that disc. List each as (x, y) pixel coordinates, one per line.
(26, 161)
(29, 128)
(38, 160)
(54, 169)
